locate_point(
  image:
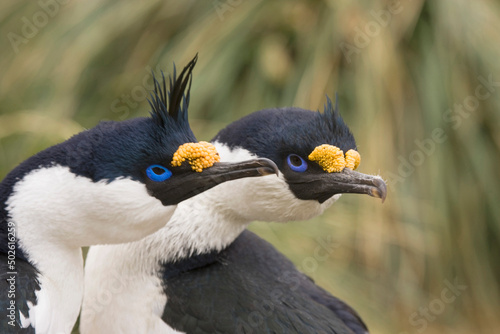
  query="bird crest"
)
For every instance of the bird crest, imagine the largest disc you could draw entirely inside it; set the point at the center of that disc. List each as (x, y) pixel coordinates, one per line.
(172, 104)
(331, 158)
(331, 114)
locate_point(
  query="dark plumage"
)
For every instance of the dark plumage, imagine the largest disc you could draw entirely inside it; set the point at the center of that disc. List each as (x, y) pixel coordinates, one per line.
(250, 287)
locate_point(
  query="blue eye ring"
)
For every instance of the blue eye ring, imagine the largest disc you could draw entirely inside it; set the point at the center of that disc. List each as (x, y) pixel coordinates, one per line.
(296, 163)
(158, 177)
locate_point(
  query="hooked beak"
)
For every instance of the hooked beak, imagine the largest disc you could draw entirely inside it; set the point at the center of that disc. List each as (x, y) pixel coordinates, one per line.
(322, 186)
(349, 181)
(188, 183)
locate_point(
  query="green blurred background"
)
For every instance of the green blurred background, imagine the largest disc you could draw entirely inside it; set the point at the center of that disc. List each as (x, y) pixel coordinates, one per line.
(412, 82)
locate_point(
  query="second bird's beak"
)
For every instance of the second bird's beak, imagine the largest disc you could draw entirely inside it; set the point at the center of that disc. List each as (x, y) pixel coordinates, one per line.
(189, 183)
(321, 186)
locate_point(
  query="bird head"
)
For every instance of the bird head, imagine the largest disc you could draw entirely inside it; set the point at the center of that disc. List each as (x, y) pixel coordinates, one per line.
(315, 152)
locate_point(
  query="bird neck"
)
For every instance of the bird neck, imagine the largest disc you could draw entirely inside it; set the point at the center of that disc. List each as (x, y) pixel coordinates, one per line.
(199, 225)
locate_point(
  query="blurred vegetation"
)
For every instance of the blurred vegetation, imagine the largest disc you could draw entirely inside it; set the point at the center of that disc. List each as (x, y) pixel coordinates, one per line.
(401, 70)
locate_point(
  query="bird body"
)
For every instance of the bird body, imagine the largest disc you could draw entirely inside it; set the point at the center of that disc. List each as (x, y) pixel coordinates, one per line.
(113, 183)
(257, 290)
(203, 272)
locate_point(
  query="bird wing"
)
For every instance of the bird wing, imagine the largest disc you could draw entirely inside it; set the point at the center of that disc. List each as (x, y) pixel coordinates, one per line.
(251, 288)
(346, 313)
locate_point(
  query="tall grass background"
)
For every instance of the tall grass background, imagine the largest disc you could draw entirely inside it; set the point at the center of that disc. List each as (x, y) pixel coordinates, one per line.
(91, 60)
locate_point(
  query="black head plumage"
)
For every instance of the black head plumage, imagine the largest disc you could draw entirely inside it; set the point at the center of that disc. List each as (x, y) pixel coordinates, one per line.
(276, 133)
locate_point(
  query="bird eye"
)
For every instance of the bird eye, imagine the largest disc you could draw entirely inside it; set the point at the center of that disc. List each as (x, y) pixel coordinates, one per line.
(296, 163)
(158, 173)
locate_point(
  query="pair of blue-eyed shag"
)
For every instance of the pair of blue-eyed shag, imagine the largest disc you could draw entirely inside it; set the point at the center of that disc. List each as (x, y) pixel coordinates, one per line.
(204, 273)
(114, 183)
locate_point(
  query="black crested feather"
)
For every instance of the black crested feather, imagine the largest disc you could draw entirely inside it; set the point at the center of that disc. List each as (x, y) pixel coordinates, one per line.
(172, 104)
(332, 116)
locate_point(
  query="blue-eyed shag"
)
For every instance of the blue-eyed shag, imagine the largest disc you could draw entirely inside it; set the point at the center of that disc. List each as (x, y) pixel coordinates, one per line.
(113, 183)
(203, 273)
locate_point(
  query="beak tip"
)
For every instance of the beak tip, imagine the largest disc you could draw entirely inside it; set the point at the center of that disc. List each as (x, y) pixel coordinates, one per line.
(268, 167)
(380, 190)
(383, 198)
